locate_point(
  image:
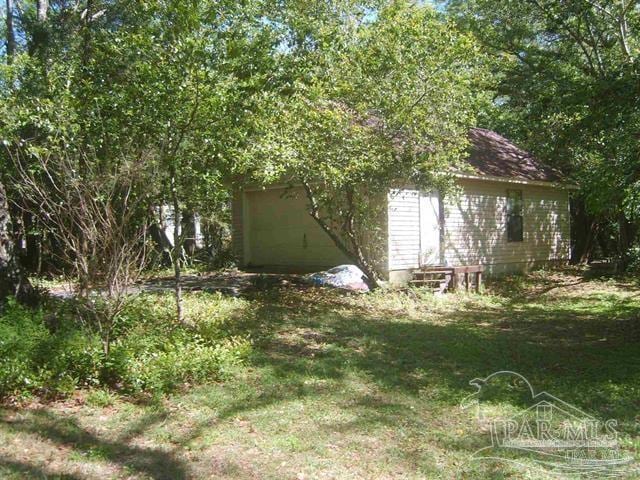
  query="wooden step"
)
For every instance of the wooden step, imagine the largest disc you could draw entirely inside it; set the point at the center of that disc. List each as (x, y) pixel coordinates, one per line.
(449, 278)
(434, 268)
(427, 280)
(435, 278)
(431, 274)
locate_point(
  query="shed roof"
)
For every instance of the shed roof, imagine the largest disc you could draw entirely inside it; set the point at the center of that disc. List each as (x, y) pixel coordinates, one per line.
(492, 155)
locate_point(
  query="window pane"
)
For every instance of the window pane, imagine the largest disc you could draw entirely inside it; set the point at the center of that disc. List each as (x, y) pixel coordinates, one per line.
(514, 228)
(514, 202)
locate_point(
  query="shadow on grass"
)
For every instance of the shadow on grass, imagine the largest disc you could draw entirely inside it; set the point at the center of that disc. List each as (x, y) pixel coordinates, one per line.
(65, 431)
(584, 351)
(26, 470)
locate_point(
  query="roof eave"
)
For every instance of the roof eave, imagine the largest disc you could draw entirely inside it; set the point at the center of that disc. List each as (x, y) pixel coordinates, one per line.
(519, 181)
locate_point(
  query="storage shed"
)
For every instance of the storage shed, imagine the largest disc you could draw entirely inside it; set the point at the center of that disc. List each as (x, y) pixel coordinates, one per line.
(511, 214)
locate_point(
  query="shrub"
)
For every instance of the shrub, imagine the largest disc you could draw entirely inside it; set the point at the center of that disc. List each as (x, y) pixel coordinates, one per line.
(155, 354)
(149, 353)
(100, 397)
(634, 259)
(183, 361)
(35, 359)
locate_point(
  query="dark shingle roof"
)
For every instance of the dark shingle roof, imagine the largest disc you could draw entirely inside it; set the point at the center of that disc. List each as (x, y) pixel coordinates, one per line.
(495, 156)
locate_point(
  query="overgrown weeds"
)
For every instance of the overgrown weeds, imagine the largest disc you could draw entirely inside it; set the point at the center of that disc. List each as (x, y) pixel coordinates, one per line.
(50, 353)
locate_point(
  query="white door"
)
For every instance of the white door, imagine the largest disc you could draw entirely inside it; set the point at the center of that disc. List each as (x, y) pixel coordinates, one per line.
(429, 228)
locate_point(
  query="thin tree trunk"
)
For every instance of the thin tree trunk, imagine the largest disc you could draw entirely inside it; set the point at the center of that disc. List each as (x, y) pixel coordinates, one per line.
(86, 33)
(356, 254)
(176, 256)
(11, 36)
(40, 34)
(584, 232)
(43, 10)
(13, 281)
(32, 244)
(189, 234)
(106, 344)
(356, 244)
(38, 248)
(161, 242)
(589, 244)
(163, 245)
(625, 235)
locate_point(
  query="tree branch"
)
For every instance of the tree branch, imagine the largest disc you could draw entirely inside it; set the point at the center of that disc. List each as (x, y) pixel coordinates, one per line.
(575, 36)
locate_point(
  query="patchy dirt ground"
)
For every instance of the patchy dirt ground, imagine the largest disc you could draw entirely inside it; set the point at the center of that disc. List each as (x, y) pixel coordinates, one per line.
(231, 282)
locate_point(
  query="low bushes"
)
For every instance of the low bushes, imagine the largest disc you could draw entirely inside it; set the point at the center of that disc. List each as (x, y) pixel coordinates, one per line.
(51, 353)
(35, 359)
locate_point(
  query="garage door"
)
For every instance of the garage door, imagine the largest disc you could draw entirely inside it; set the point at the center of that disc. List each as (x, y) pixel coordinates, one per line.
(282, 233)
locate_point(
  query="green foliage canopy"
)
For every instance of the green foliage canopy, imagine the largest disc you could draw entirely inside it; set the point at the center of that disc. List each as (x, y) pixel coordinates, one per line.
(388, 103)
(568, 88)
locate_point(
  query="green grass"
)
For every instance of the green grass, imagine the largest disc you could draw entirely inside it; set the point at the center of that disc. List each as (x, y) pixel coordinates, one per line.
(355, 387)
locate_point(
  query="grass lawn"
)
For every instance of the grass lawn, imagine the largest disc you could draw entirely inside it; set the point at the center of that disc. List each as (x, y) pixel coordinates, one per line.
(355, 387)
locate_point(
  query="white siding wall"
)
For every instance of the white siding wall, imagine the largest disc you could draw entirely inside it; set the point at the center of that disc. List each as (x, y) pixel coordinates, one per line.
(404, 229)
(475, 226)
(272, 229)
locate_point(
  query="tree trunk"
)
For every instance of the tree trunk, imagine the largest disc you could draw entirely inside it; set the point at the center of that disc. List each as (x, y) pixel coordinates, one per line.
(589, 243)
(356, 254)
(13, 281)
(160, 239)
(584, 232)
(11, 36)
(32, 251)
(176, 255)
(356, 244)
(189, 234)
(38, 254)
(43, 10)
(86, 33)
(625, 238)
(106, 345)
(40, 34)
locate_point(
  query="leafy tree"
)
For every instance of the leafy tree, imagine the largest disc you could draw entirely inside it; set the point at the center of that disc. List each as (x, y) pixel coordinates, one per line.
(13, 281)
(568, 89)
(190, 78)
(388, 101)
(162, 84)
